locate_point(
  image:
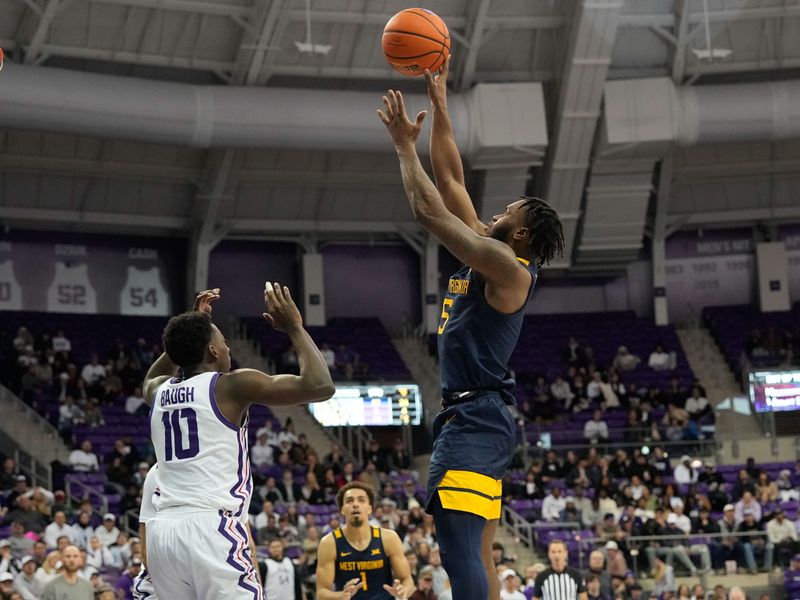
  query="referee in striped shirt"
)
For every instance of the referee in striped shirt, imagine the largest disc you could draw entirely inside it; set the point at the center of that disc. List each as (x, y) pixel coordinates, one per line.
(559, 582)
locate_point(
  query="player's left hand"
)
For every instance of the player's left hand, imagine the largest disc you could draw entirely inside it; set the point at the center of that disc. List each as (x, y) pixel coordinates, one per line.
(397, 590)
(403, 130)
(204, 299)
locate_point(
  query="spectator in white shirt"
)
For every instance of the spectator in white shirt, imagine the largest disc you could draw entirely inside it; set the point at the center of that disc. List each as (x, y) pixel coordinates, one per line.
(552, 505)
(624, 360)
(58, 528)
(260, 520)
(83, 459)
(61, 343)
(684, 473)
(93, 372)
(682, 521)
(659, 359)
(596, 430)
(696, 404)
(135, 401)
(287, 434)
(261, 452)
(97, 555)
(783, 536)
(511, 584)
(107, 533)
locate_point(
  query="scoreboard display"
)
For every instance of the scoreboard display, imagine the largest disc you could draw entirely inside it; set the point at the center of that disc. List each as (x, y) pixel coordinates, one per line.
(370, 406)
(772, 391)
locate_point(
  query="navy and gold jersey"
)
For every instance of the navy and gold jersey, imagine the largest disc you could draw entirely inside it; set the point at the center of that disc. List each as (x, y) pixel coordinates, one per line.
(370, 565)
(475, 340)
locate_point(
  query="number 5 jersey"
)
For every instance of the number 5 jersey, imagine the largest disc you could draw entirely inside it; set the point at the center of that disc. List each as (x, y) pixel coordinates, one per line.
(203, 459)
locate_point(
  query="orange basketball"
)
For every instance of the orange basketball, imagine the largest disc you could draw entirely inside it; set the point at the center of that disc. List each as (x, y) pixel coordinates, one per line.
(416, 39)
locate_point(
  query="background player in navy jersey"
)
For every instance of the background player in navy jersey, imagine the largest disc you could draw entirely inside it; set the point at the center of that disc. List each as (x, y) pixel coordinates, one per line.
(474, 434)
(198, 546)
(359, 559)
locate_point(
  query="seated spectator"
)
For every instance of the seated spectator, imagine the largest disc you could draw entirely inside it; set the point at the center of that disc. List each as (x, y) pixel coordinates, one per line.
(25, 582)
(60, 342)
(135, 404)
(328, 355)
(570, 514)
(19, 543)
(399, 458)
(58, 528)
(288, 488)
(378, 456)
(616, 565)
(24, 516)
(579, 400)
(596, 570)
(48, 571)
(752, 545)
(261, 452)
(107, 533)
(786, 489)
(98, 555)
(424, 585)
(748, 503)
(311, 492)
(124, 585)
(782, 534)
(93, 372)
(335, 459)
(684, 472)
(624, 360)
(659, 359)
(696, 405)
(596, 430)
(561, 391)
(766, 490)
(552, 505)
(92, 415)
(510, 586)
(82, 459)
(82, 530)
(791, 578)
(69, 415)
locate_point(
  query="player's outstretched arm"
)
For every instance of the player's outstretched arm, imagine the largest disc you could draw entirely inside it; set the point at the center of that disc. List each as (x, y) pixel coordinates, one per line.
(326, 571)
(314, 382)
(403, 585)
(493, 259)
(448, 171)
(163, 368)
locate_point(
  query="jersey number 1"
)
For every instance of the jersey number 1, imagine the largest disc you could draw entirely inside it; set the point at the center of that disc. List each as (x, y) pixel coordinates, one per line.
(174, 434)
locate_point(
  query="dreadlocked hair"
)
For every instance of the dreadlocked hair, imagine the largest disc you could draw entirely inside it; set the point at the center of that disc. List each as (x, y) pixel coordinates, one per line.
(546, 237)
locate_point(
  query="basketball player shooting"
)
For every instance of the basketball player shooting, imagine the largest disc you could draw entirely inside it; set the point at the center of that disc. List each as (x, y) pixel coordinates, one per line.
(474, 433)
(198, 547)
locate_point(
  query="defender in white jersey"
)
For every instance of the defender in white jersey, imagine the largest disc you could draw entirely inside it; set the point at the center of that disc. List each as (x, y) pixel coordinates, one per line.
(197, 544)
(142, 583)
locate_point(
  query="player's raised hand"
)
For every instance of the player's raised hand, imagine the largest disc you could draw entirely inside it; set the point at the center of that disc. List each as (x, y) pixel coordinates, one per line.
(351, 587)
(282, 313)
(403, 130)
(397, 590)
(204, 299)
(437, 84)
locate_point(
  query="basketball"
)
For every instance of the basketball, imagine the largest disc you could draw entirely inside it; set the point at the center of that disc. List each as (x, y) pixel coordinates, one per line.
(416, 39)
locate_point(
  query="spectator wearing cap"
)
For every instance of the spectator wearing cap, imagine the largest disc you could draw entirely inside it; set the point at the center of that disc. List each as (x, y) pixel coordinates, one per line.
(596, 569)
(684, 473)
(6, 585)
(107, 533)
(791, 578)
(424, 585)
(440, 577)
(747, 502)
(7, 562)
(682, 522)
(787, 491)
(782, 534)
(124, 585)
(58, 528)
(105, 592)
(82, 459)
(616, 564)
(25, 582)
(509, 586)
(752, 545)
(68, 585)
(552, 505)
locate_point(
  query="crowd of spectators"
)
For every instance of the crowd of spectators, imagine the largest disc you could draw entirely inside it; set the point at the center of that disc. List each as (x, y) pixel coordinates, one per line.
(772, 345)
(344, 363)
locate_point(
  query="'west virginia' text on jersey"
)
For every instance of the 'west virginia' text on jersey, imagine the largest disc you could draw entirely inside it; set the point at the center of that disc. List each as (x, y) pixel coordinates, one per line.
(370, 565)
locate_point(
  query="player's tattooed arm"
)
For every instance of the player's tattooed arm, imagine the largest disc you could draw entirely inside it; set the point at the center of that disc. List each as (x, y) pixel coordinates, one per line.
(448, 171)
(163, 368)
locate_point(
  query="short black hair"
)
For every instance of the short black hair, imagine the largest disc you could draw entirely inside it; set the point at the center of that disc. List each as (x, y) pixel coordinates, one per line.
(355, 485)
(546, 235)
(186, 337)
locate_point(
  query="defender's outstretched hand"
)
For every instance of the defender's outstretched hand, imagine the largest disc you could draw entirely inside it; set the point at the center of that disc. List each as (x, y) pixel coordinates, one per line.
(437, 84)
(282, 313)
(403, 130)
(204, 299)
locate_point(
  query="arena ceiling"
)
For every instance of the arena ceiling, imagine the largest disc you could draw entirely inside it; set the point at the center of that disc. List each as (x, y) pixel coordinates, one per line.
(72, 182)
